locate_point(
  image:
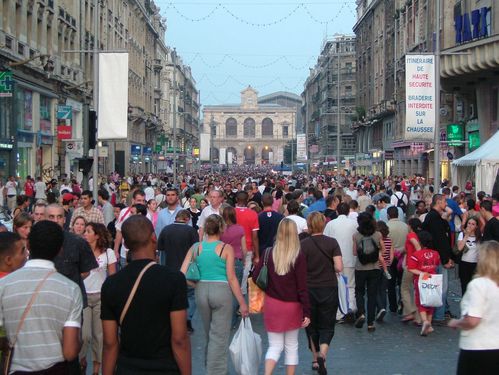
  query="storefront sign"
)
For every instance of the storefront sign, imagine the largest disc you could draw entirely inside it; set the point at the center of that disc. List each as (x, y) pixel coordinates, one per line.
(6, 84)
(74, 148)
(420, 97)
(64, 132)
(136, 149)
(6, 146)
(147, 151)
(64, 112)
(455, 134)
(474, 139)
(472, 26)
(301, 147)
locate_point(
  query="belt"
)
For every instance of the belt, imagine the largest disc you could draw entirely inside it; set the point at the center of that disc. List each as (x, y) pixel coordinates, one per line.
(11, 195)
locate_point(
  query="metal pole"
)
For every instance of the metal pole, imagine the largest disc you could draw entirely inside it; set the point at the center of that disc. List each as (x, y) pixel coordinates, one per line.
(436, 152)
(95, 169)
(174, 58)
(338, 126)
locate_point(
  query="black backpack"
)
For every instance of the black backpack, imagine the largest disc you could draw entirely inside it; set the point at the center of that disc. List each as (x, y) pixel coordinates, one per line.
(367, 250)
(401, 203)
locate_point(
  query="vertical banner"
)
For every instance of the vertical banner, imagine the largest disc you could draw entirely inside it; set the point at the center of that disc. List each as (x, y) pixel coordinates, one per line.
(420, 97)
(112, 117)
(223, 152)
(204, 145)
(229, 158)
(301, 147)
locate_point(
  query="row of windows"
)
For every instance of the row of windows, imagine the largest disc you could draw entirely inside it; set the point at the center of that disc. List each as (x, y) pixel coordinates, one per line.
(249, 127)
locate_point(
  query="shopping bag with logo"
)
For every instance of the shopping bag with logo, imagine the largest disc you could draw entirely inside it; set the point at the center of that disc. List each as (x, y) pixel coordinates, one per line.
(430, 290)
(343, 293)
(256, 297)
(246, 349)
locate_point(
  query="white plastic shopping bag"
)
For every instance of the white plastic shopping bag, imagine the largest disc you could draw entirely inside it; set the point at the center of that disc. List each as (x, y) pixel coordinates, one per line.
(430, 290)
(343, 293)
(246, 349)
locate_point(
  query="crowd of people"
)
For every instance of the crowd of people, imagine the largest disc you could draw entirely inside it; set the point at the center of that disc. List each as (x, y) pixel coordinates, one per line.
(111, 279)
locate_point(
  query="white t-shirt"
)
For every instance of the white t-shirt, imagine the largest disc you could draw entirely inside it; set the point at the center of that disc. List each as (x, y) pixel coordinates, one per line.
(300, 222)
(93, 283)
(353, 194)
(40, 190)
(401, 196)
(124, 214)
(471, 256)
(481, 300)
(11, 187)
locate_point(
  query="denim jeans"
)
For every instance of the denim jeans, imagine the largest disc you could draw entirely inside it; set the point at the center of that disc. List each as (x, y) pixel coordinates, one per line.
(440, 311)
(381, 294)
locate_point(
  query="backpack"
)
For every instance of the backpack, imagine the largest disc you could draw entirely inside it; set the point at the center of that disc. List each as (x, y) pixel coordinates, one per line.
(367, 250)
(401, 203)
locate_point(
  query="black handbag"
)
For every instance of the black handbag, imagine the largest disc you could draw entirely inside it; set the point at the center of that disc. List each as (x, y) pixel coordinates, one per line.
(263, 277)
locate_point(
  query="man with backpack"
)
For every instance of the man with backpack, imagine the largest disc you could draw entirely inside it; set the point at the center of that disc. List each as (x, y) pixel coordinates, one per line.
(399, 199)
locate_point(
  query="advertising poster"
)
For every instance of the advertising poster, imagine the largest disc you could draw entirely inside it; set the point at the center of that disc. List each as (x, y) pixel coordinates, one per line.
(420, 97)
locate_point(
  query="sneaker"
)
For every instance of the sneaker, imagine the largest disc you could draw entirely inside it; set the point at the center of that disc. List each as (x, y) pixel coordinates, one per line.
(424, 328)
(371, 328)
(380, 315)
(359, 323)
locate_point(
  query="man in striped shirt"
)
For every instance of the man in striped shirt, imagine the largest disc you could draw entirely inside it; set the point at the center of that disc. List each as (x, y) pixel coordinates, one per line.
(50, 334)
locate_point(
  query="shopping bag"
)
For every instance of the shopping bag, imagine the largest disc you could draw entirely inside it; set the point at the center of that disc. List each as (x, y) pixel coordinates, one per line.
(430, 290)
(246, 349)
(256, 297)
(343, 293)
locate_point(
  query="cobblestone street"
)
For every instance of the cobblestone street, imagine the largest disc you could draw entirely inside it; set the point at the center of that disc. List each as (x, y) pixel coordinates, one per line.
(394, 348)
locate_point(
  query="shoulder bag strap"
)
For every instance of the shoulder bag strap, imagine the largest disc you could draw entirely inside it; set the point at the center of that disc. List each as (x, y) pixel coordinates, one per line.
(134, 290)
(222, 250)
(195, 252)
(266, 256)
(30, 304)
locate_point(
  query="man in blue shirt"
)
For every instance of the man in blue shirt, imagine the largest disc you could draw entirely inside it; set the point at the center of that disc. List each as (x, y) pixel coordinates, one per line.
(318, 205)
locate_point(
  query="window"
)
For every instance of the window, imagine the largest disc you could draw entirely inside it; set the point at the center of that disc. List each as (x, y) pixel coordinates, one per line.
(249, 127)
(267, 127)
(231, 128)
(285, 131)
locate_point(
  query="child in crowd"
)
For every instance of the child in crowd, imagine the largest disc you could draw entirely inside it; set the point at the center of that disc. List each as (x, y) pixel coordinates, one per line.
(425, 262)
(386, 276)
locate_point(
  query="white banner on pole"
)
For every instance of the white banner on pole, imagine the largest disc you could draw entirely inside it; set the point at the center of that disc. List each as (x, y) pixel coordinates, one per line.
(301, 147)
(229, 158)
(420, 97)
(112, 117)
(204, 146)
(222, 155)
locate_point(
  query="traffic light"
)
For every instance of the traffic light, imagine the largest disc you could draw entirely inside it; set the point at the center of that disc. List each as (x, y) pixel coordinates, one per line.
(92, 129)
(85, 165)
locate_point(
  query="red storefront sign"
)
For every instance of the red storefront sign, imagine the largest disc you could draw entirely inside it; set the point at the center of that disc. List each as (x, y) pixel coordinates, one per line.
(64, 132)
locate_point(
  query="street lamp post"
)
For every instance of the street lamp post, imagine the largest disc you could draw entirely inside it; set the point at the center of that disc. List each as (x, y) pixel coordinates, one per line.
(436, 150)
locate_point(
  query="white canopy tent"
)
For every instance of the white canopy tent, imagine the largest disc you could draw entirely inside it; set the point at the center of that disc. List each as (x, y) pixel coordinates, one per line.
(480, 166)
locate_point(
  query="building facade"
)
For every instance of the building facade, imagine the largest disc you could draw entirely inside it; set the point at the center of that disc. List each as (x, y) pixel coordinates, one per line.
(46, 80)
(329, 99)
(249, 133)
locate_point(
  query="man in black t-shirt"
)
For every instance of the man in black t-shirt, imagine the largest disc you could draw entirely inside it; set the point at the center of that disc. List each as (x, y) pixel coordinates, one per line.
(153, 333)
(491, 229)
(175, 240)
(268, 221)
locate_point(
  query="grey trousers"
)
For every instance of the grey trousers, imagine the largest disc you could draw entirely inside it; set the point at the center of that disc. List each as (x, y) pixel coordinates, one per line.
(214, 303)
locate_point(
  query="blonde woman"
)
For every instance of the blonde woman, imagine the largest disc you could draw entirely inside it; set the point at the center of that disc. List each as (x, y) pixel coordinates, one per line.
(287, 306)
(479, 341)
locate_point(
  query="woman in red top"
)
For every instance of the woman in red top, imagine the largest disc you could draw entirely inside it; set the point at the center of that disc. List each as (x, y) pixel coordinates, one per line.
(287, 306)
(424, 262)
(406, 287)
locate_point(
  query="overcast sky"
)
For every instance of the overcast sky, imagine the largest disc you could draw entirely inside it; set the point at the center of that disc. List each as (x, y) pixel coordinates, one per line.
(269, 45)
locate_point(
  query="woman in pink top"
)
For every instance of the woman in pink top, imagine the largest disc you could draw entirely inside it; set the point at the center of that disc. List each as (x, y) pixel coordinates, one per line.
(287, 305)
(233, 235)
(406, 288)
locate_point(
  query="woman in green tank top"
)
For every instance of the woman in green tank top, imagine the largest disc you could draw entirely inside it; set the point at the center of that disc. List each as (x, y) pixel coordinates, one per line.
(214, 292)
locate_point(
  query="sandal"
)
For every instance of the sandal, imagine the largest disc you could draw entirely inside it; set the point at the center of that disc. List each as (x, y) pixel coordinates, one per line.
(322, 366)
(315, 366)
